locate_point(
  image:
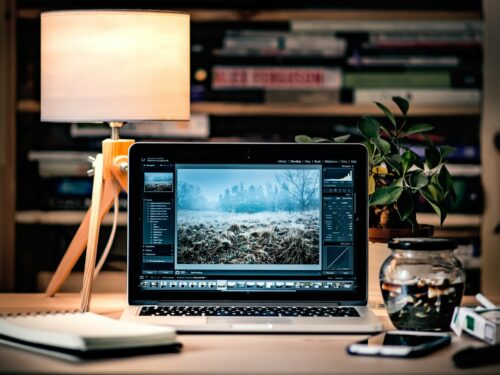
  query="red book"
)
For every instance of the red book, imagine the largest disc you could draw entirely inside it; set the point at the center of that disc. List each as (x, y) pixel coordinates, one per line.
(242, 77)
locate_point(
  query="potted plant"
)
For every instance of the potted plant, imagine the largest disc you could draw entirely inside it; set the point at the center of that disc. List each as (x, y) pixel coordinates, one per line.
(397, 178)
(397, 175)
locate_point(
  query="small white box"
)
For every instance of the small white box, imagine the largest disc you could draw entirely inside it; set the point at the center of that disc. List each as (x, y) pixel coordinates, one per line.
(481, 323)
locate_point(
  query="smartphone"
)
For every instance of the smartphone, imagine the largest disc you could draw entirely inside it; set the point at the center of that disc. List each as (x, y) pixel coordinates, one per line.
(400, 344)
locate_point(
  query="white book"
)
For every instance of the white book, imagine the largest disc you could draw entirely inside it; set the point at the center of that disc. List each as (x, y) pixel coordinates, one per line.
(419, 96)
(61, 163)
(198, 127)
(83, 332)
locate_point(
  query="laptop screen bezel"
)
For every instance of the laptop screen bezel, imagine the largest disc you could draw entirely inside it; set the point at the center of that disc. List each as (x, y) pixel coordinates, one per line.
(225, 153)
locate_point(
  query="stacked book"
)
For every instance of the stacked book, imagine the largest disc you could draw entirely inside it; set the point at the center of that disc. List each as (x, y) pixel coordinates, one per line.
(320, 62)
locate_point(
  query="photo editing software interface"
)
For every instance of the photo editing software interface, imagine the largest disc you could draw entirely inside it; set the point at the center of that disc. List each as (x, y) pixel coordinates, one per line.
(285, 226)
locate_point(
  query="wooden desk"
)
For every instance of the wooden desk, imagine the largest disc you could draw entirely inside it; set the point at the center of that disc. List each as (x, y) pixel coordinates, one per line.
(225, 354)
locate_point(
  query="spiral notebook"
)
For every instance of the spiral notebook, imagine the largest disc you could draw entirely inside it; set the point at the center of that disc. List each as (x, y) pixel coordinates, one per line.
(85, 335)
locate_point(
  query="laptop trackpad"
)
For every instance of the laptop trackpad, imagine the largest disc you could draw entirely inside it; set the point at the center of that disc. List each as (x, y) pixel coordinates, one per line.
(249, 321)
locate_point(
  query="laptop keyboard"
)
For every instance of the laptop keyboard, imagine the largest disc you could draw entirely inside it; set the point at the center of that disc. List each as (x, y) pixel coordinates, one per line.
(292, 311)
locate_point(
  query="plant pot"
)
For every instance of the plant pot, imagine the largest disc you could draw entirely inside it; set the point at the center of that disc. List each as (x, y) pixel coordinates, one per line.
(382, 235)
(378, 252)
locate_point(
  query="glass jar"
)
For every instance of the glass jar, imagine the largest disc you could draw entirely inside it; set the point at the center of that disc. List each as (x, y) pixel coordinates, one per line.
(422, 282)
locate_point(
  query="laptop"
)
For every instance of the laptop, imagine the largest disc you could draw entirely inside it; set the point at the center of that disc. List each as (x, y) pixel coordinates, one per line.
(255, 237)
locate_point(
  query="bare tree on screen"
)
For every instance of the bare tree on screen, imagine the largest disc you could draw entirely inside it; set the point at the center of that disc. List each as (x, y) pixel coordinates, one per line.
(302, 185)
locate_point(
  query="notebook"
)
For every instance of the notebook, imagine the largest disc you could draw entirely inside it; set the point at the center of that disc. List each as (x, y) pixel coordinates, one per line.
(84, 335)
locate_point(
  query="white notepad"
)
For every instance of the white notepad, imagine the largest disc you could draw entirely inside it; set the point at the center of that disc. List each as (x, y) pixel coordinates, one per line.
(84, 331)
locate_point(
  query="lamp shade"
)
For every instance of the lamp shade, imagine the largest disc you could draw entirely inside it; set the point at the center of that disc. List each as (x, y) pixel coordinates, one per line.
(114, 65)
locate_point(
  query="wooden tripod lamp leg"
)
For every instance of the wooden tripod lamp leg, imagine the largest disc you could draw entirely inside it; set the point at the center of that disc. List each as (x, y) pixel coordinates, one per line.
(93, 235)
(79, 241)
(114, 178)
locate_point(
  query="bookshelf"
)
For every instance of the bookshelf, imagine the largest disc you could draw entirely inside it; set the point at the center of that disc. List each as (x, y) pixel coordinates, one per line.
(457, 225)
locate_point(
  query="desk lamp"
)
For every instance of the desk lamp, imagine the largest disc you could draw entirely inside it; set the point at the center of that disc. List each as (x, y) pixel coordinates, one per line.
(110, 66)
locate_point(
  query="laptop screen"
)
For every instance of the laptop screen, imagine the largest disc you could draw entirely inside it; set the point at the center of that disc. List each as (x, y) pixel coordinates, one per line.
(257, 228)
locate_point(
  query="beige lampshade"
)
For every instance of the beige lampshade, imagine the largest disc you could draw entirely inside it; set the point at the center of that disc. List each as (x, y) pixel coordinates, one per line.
(114, 65)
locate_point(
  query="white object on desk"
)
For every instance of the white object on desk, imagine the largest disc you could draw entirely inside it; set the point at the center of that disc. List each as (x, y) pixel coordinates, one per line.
(83, 331)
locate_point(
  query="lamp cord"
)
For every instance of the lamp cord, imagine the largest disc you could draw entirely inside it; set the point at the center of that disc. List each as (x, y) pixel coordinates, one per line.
(111, 238)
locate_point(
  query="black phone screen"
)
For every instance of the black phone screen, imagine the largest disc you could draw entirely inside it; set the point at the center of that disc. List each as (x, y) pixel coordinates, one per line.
(397, 339)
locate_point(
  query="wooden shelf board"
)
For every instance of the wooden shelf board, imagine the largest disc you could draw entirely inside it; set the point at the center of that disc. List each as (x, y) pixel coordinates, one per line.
(62, 218)
(28, 106)
(243, 109)
(452, 220)
(216, 15)
(75, 217)
(457, 233)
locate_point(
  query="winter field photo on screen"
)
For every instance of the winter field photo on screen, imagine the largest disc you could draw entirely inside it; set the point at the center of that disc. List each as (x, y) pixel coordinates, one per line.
(261, 216)
(155, 182)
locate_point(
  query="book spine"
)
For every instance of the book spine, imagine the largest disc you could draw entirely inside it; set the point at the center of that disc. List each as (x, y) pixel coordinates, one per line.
(419, 96)
(246, 77)
(60, 163)
(255, 41)
(385, 25)
(420, 79)
(332, 52)
(66, 193)
(198, 127)
(266, 40)
(423, 40)
(304, 96)
(404, 61)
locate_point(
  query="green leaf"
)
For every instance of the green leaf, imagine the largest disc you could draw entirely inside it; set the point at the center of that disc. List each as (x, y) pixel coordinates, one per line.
(402, 104)
(418, 180)
(394, 161)
(445, 181)
(437, 207)
(341, 139)
(370, 149)
(405, 204)
(387, 113)
(445, 151)
(432, 157)
(369, 127)
(435, 189)
(383, 146)
(303, 139)
(320, 140)
(385, 195)
(407, 160)
(418, 128)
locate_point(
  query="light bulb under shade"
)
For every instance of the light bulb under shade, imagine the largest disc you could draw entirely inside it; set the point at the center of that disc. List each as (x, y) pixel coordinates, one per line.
(114, 65)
